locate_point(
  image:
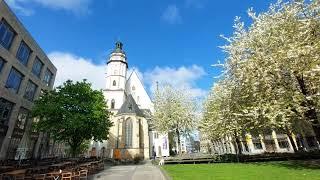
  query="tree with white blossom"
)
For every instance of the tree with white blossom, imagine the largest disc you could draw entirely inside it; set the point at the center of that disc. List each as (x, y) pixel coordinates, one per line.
(273, 69)
(175, 112)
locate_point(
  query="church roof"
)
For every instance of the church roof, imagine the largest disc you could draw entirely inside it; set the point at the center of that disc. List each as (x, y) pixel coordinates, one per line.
(134, 72)
(130, 107)
(147, 113)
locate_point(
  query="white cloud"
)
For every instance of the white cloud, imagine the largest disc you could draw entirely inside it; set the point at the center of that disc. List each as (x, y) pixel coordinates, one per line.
(181, 78)
(172, 15)
(76, 6)
(77, 68)
(20, 7)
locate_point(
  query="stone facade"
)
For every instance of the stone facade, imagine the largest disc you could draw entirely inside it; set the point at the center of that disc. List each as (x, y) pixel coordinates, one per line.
(17, 140)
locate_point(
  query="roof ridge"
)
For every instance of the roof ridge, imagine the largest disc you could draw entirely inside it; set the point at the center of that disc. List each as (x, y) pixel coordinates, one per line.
(130, 106)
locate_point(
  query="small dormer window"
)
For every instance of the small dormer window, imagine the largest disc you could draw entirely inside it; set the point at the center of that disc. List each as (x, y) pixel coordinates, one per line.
(133, 88)
(130, 107)
(114, 83)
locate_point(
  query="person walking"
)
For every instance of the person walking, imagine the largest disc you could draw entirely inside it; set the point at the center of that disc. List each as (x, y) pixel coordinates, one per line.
(154, 154)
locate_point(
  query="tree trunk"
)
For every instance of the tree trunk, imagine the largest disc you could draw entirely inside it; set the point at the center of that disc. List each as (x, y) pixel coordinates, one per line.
(295, 149)
(289, 134)
(311, 114)
(237, 145)
(172, 143)
(179, 141)
(75, 148)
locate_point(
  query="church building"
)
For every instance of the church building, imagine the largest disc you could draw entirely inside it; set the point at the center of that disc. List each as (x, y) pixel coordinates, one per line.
(131, 134)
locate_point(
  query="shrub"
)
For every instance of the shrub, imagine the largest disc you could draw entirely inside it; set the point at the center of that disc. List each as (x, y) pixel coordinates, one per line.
(137, 159)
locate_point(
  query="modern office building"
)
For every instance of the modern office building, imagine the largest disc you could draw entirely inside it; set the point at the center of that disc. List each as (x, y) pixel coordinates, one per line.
(25, 71)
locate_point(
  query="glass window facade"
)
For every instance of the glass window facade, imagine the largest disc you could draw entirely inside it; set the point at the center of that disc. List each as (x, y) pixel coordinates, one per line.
(30, 91)
(22, 118)
(283, 143)
(23, 53)
(5, 111)
(257, 144)
(47, 77)
(6, 34)
(37, 67)
(14, 80)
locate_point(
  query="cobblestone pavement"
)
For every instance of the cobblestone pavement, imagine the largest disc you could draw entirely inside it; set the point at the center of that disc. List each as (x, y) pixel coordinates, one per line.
(130, 172)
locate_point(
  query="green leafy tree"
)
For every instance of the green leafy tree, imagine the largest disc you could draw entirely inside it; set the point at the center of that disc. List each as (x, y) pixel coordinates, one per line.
(73, 113)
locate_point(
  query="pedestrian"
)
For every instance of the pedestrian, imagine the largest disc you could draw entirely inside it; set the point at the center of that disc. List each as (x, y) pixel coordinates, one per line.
(154, 154)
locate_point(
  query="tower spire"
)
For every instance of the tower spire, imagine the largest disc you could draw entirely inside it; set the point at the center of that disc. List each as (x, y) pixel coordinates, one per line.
(119, 45)
(118, 48)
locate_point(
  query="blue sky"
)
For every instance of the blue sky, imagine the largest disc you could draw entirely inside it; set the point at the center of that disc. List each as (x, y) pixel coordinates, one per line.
(165, 40)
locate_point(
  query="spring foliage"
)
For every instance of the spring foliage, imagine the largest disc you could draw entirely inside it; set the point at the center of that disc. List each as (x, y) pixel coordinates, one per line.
(271, 74)
(174, 111)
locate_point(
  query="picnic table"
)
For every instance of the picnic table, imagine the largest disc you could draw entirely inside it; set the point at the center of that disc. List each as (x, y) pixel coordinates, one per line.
(86, 165)
(39, 168)
(6, 168)
(60, 164)
(16, 172)
(89, 163)
(55, 175)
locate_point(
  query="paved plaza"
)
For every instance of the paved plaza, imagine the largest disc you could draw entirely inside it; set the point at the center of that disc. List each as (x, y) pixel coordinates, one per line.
(131, 172)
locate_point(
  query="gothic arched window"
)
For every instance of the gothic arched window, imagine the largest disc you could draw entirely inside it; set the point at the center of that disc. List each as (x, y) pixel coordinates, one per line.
(128, 131)
(113, 102)
(114, 83)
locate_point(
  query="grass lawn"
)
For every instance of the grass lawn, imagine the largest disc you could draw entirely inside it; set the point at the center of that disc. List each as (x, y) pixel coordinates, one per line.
(291, 170)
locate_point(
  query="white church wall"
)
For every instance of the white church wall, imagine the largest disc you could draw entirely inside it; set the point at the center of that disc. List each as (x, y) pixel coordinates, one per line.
(116, 71)
(117, 96)
(146, 143)
(135, 87)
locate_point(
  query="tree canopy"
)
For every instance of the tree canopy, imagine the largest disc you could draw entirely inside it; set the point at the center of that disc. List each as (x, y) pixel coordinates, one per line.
(271, 75)
(73, 113)
(174, 111)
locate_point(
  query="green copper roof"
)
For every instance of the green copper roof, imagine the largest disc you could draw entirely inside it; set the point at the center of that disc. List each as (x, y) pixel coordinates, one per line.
(118, 48)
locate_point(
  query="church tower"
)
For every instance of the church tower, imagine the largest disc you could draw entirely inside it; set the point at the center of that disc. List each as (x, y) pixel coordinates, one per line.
(131, 107)
(116, 77)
